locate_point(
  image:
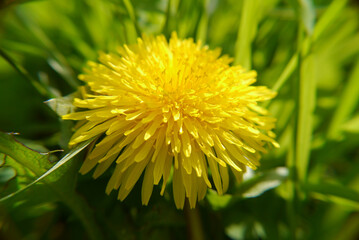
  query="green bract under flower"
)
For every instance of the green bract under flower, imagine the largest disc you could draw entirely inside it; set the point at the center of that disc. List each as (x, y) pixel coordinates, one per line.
(159, 106)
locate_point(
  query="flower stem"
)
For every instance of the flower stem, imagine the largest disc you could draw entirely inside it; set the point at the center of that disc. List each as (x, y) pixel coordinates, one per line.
(194, 224)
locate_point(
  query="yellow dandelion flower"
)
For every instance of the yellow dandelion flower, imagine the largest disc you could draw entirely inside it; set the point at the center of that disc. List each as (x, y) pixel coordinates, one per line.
(173, 111)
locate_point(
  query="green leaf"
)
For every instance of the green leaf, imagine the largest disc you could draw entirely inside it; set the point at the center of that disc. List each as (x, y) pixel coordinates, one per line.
(27, 160)
(328, 18)
(347, 105)
(334, 193)
(57, 61)
(22, 71)
(8, 3)
(61, 105)
(254, 186)
(201, 33)
(246, 33)
(307, 103)
(287, 72)
(6, 173)
(218, 201)
(131, 13)
(252, 13)
(33, 163)
(262, 182)
(59, 179)
(307, 15)
(352, 125)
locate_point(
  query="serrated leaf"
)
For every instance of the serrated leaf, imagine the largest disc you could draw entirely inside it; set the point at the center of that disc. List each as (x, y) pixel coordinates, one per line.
(26, 162)
(59, 179)
(32, 164)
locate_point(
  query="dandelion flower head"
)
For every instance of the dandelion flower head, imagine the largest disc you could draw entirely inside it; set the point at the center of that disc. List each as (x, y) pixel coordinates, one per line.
(173, 111)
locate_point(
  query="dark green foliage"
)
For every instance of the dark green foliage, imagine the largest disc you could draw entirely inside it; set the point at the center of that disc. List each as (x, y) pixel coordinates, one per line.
(306, 50)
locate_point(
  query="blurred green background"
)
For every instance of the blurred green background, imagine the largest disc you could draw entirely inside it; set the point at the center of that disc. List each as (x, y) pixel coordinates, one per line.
(306, 50)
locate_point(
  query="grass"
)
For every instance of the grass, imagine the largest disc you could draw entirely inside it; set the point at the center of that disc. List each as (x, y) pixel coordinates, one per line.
(305, 50)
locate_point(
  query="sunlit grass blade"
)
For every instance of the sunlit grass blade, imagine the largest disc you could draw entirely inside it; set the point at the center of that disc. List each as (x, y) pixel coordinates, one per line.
(286, 74)
(307, 11)
(291, 186)
(166, 26)
(347, 104)
(333, 11)
(252, 13)
(131, 13)
(307, 103)
(246, 32)
(201, 33)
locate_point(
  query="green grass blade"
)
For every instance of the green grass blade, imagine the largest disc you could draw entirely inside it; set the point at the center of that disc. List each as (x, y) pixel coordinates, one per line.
(131, 13)
(348, 102)
(57, 60)
(246, 32)
(307, 15)
(352, 125)
(333, 11)
(336, 193)
(252, 13)
(22, 71)
(307, 102)
(286, 74)
(201, 33)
